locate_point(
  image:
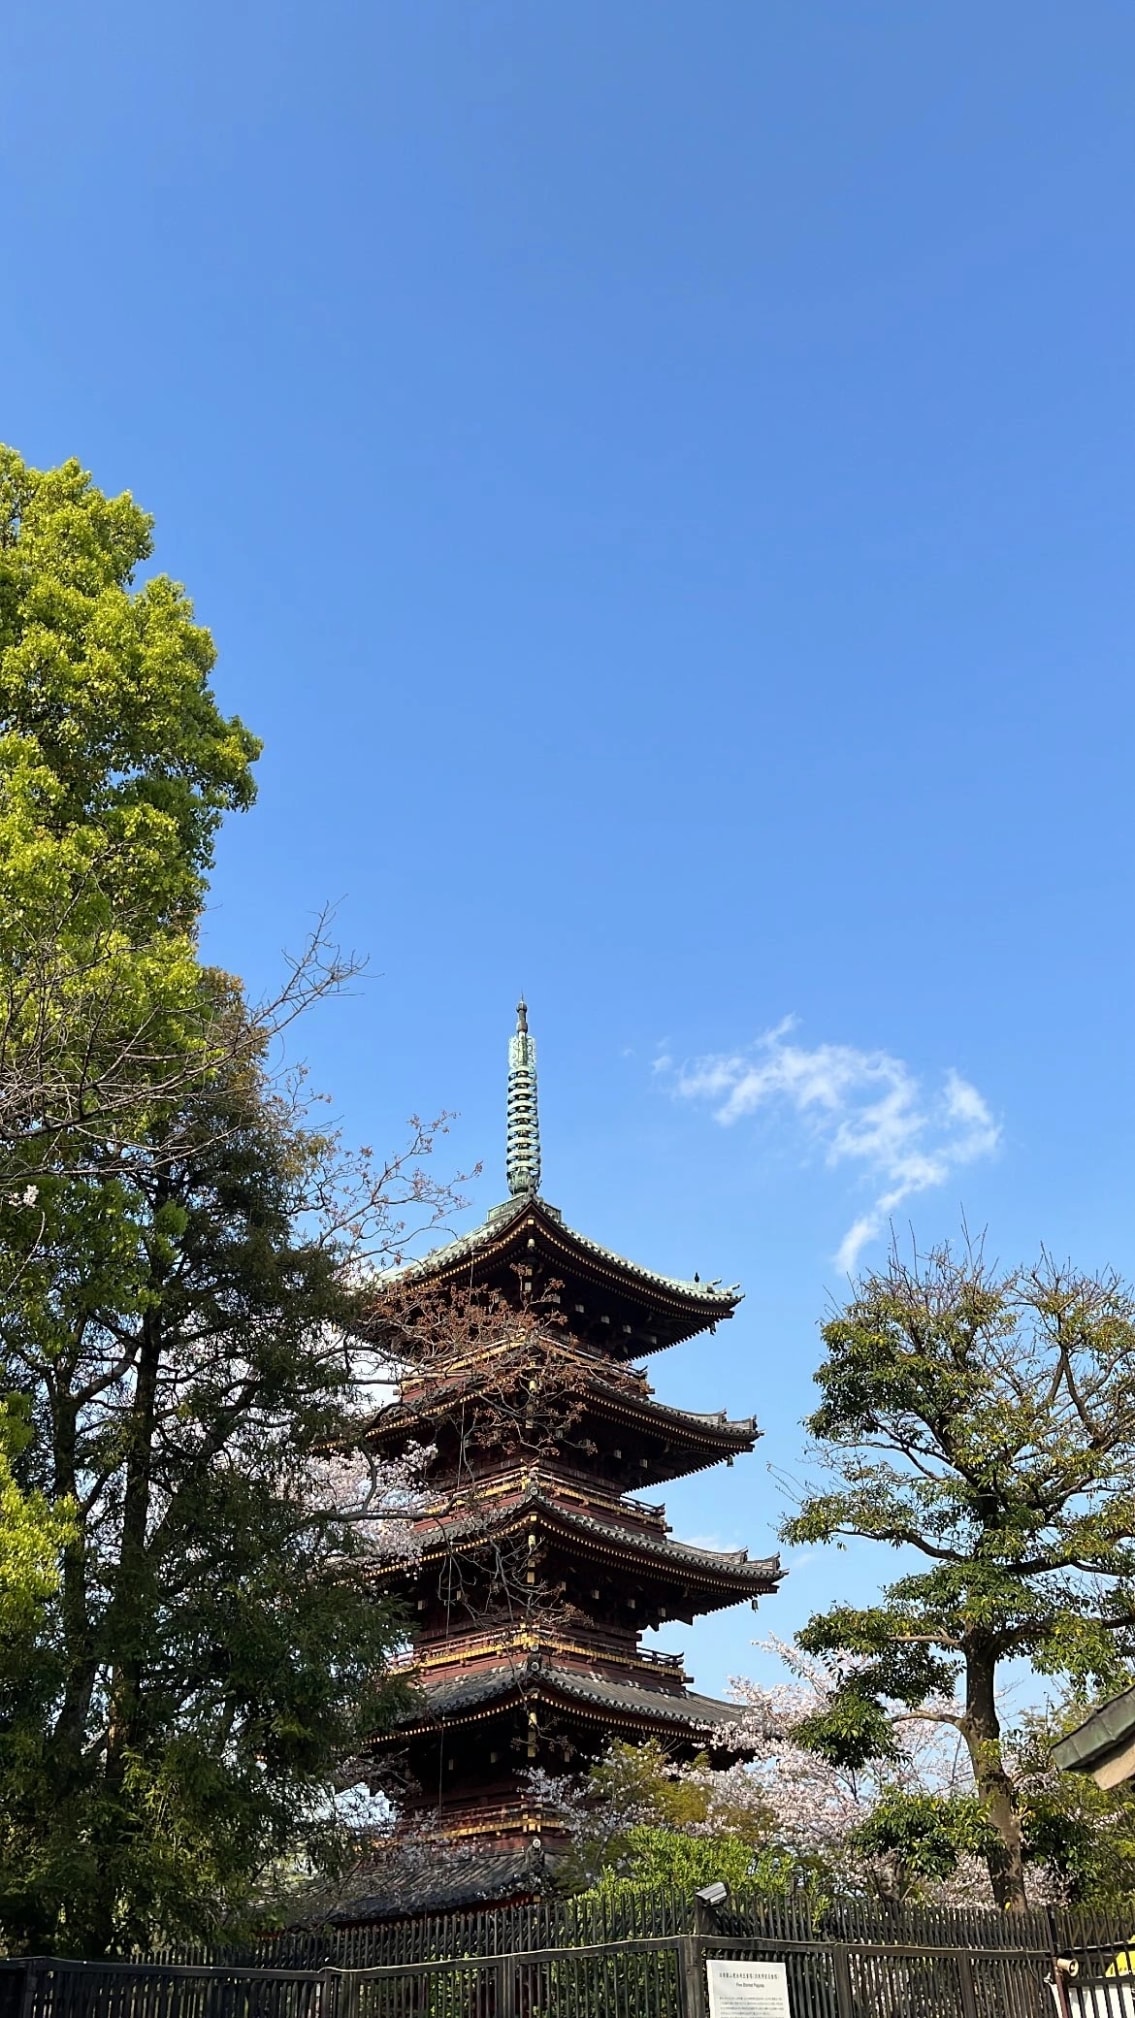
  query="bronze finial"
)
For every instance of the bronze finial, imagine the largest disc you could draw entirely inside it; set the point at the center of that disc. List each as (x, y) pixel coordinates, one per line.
(522, 1162)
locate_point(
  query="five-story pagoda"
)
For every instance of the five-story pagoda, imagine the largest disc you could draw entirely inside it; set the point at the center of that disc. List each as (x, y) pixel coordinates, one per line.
(538, 1569)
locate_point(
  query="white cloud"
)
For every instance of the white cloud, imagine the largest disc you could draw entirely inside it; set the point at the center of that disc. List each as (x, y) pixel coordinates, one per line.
(866, 1109)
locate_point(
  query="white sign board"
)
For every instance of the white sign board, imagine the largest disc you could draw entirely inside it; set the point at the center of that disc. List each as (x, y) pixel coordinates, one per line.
(748, 1990)
(1109, 2000)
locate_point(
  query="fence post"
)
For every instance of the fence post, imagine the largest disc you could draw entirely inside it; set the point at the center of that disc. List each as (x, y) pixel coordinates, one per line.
(346, 1993)
(29, 1998)
(692, 1951)
(841, 1972)
(329, 1999)
(1060, 1990)
(506, 1987)
(965, 1978)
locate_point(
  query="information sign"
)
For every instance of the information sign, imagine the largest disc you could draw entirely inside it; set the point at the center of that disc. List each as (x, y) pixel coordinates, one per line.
(748, 1990)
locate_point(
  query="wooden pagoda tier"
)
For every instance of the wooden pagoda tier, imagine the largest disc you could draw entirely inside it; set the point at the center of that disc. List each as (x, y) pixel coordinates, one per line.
(620, 1435)
(623, 1311)
(536, 1572)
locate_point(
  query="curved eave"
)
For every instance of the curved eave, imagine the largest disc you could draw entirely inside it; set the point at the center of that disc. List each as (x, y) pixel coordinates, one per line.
(1106, 1734)
(689, 1307)
(463, 1879)
(716, 1434)
(710, 1570)
(707, 1438)
(496, 1692)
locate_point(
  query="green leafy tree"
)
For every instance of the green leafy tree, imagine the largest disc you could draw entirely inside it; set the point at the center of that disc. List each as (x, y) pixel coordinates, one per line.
(33, 1533)
(642, 1821)
(116, 768)
(984, 1423)
(113, 749)
(1081, 1836)
(215, 1656)
(189, 1651)
(923, 1837)
(655, 1859)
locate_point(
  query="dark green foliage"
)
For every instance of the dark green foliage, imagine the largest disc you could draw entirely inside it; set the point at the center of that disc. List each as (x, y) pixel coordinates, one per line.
(653, 1858)
(984, 1423)
(213, 1653)
(189, 1652)
(925, 1835)
(1082, 1835)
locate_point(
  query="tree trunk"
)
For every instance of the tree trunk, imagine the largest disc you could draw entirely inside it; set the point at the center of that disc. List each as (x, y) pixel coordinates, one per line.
(131, 1604)
(125, 1628)
(981, 1729)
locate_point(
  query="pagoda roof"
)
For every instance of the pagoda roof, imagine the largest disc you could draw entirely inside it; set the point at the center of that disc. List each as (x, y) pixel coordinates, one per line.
(460, 1877)
(661, 1419)
(730, 1570)
(653, 1418)
(470, 1698)
(669, 1308)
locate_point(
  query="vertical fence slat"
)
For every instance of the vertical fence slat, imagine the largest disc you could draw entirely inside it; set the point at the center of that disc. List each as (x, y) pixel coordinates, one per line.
(600, 1958)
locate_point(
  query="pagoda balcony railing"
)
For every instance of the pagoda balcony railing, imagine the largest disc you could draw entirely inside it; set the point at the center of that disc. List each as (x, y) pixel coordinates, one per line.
(650, 1511)
(577, 1627)
(560, 1481)
(510, 1643)
(527, 1816)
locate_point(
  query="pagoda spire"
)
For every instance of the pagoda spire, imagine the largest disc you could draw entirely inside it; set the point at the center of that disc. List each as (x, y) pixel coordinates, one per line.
(522, 1162)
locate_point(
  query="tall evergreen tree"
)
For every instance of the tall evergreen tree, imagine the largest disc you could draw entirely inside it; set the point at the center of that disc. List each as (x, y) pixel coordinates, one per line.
(984, 1424)
(189, 1650)
(214, 1657)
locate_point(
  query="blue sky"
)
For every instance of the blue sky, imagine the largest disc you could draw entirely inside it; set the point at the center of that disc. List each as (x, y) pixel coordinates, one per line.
(660, 478)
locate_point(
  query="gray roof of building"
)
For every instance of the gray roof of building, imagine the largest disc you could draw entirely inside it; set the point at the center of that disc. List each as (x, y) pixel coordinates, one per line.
(724, 1297)
(455, 1696)
(715, 1419)
(399, 1417)
(452, 1878)
(1107, 1730)
(737, 1564)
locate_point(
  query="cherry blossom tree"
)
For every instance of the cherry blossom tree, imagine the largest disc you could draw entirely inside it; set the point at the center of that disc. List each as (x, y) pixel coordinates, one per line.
(780, 1814)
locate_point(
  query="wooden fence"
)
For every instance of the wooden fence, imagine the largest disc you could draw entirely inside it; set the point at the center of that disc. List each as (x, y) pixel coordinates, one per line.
(584, 1921)
(643, 1956)
(656, 1976)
